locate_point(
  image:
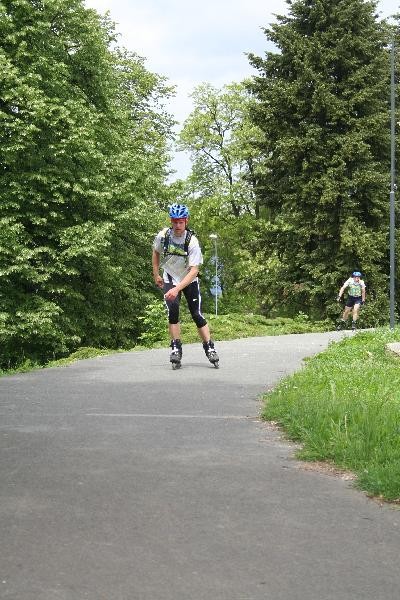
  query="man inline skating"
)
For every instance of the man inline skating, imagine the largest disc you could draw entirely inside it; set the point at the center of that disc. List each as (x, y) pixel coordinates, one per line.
(355, 298)
(177, 251)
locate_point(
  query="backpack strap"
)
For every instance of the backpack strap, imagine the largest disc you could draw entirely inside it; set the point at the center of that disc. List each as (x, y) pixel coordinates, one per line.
(189, 234)
(167, 236)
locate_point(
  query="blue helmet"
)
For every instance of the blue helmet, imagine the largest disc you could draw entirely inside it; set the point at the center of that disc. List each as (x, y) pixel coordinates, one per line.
(178, 211)
(356, 274)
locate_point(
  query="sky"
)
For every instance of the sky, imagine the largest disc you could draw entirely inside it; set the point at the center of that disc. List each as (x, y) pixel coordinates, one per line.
(192, 42)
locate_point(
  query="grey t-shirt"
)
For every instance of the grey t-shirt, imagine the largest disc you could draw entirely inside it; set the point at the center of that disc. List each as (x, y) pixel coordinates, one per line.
(176, 265)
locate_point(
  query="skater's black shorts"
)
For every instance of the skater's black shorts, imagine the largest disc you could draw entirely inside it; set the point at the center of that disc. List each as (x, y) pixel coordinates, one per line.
(193, 299)
(352, 300)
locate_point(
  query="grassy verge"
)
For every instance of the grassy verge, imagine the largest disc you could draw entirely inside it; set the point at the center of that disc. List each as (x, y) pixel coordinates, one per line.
(344, 408)
(233, 326)
(80, 354)
(227, 327)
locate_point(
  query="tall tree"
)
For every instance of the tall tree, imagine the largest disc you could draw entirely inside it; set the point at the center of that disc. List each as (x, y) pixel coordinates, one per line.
(82, 146)
(218, 134)
(323, 108)
(220, 189)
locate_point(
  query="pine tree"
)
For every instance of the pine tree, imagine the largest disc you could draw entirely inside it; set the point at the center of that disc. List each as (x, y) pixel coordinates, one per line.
(323, 108)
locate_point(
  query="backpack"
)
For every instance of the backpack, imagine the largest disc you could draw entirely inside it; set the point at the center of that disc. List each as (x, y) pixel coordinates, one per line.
(167, 236)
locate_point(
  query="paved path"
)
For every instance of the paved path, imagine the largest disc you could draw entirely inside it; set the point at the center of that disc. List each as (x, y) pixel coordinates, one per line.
(124, 480)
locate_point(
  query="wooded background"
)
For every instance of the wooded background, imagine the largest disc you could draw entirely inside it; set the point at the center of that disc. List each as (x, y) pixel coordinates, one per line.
(291, 169)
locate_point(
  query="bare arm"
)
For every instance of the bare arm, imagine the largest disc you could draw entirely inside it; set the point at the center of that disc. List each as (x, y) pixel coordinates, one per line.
(341, 291)
(155, 259)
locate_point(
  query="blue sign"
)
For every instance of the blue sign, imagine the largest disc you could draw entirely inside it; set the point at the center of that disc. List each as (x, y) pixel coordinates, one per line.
(215, 288)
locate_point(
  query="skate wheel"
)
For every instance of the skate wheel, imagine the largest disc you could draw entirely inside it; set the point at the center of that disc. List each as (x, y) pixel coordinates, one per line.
(216, 364)
(176, 365)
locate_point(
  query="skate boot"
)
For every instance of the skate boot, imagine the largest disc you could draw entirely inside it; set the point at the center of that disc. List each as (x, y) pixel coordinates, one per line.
(176, 354)
(341, 325)
(353, 326)
(211, 353)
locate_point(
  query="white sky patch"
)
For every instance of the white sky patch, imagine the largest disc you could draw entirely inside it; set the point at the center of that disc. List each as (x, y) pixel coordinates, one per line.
(192, 42)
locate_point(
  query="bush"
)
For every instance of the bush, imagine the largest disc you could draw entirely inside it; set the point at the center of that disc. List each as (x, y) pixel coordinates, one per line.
(154, 324)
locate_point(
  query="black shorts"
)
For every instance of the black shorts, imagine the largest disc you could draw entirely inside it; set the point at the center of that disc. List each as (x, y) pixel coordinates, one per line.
(352, 300)
(193, 299)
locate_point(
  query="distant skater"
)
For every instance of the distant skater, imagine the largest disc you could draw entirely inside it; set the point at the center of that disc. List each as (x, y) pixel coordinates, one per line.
(355, 298)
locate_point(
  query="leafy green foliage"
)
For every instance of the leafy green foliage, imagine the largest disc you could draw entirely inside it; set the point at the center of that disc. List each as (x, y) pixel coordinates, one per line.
(154, 324)
(218, 133)
(220, 189)
(84, 149)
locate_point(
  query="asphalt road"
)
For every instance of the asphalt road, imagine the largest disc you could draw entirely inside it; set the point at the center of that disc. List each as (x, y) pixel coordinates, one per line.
(121, 479)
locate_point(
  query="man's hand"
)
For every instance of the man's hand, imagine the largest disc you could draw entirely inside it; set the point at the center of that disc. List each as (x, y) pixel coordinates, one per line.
(339, 298)
(171, 294)
(159, 282)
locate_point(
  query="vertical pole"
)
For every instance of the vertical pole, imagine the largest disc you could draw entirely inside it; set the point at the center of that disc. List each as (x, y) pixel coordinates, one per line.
(216, 278)
(392, 191)
(214, 237)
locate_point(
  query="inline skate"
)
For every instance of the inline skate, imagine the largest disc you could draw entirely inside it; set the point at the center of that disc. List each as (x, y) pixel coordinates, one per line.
(175, 357)
(211, 353)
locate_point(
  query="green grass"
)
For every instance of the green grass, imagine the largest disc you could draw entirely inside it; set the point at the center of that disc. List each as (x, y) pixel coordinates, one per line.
(344, 408)
(235, 325)
(80, 354)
